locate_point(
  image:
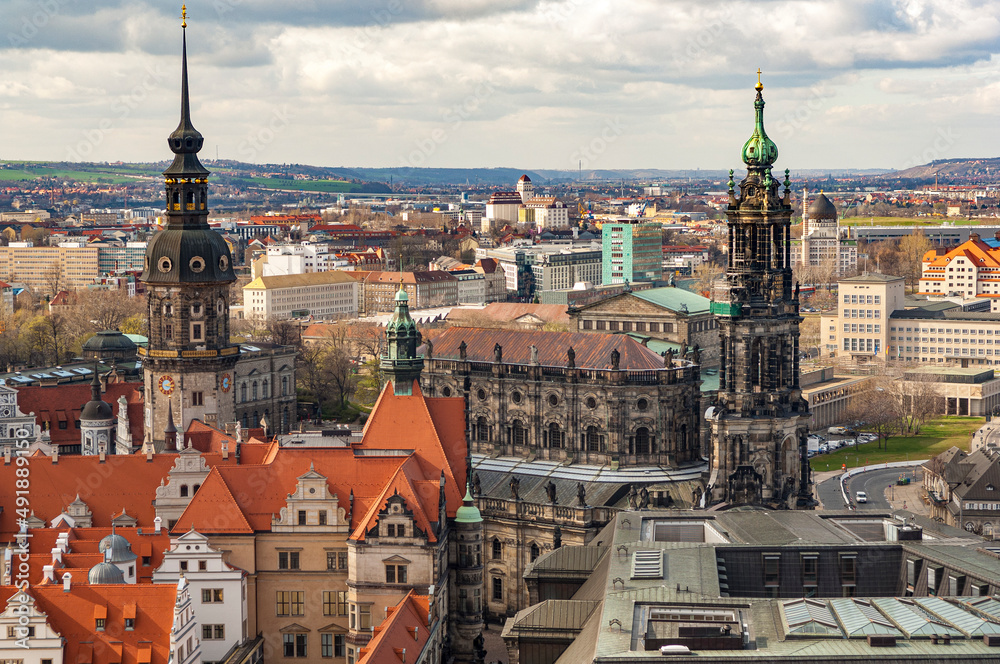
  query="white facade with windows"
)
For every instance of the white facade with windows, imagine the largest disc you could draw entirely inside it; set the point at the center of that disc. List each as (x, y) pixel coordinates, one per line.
(218, 592)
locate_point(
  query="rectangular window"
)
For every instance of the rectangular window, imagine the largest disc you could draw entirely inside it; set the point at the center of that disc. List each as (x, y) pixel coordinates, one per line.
(196, 332)
(848, 570)
(322, 517)
(336, 560)
(365, 617)
(810, 570)
(771, 577)
(168, 331)
(288, 560)
(213, 632)
(338, 645)
(395, 573)
(302, 517)
(211, 595)
(497, 589)
(326, 645)
(294, 645)
(329, 602)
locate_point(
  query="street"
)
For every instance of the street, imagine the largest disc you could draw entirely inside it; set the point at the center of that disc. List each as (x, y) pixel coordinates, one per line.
(874, 483)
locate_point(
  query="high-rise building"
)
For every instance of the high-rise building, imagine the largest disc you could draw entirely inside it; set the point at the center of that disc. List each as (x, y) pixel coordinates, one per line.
(190, 361)
(632, 250)
(759, 422)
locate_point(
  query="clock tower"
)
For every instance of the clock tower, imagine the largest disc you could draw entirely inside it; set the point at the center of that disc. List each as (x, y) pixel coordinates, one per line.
(760, 418)
(189, 364)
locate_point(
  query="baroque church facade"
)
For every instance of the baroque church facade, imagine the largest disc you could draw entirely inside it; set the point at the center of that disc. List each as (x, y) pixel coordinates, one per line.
(759, 419)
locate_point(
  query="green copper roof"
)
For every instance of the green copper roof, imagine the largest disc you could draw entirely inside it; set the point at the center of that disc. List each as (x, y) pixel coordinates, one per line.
(675, 299)
(401, 319)
(468, 512)
(759, 151)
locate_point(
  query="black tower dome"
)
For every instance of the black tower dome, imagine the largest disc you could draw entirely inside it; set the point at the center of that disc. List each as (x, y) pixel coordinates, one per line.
(187, 250)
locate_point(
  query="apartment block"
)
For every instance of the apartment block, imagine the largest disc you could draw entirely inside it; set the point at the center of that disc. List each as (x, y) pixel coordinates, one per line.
(70, 265)
(333, 294)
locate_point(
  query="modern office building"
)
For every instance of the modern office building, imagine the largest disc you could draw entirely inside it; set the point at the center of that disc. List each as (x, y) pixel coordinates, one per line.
(328, 294)
(632, 251)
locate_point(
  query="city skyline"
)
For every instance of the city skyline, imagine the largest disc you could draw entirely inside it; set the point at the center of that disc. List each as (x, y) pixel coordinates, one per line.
(544, 85)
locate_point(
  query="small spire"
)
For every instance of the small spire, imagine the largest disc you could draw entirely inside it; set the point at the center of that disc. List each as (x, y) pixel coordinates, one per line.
(759, 86)
(184, 16)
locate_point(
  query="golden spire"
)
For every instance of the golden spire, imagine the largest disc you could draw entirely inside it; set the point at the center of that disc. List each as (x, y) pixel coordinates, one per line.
(759, 86)
(184, 16)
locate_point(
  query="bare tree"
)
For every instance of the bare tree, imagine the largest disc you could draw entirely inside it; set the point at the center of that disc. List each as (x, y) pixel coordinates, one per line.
(325, 370)
(877, 410)
(106, 309)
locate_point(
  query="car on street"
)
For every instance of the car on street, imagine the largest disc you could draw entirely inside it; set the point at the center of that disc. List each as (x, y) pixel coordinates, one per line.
(861, 497)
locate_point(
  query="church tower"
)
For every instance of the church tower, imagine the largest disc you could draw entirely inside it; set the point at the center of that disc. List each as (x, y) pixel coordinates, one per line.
(187, 274)
(401, 364)
(759, 422)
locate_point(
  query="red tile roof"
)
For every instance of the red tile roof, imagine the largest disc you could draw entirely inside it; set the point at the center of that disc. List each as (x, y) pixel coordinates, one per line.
(121, 482)
(72, 616)
(242, 499)
(63, 403)
(511, 311)
(593, 351)
(83, 553)
(404, 628)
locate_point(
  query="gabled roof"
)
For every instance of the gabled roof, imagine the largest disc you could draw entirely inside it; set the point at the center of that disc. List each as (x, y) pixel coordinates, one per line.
(404, 627)
(84, 554)
(593, 350)
(72, 616)
(975, 249)
(511, 311)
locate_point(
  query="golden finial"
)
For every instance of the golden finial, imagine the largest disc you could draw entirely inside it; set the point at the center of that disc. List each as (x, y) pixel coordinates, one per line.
(184, 16)
(759, 86)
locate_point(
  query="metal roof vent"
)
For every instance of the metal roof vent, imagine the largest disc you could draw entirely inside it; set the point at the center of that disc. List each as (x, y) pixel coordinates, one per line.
(647, 565)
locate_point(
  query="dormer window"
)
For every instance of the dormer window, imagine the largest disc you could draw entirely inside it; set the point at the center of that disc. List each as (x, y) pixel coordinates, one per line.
(99, 624)
(990, 487)
(130, 623)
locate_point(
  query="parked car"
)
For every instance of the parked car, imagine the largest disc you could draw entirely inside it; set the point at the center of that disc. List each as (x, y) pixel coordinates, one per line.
(837, 431)
(861, 497)
(824, 448)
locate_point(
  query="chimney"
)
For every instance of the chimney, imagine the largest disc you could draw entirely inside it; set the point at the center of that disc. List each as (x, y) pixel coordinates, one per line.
(102, 453)
(55, 453)
(49, 573)
(157, 524)
(225, 449)
(62, 541)
(149, 452)
(57, 557)
(6, 455)
(67, 581)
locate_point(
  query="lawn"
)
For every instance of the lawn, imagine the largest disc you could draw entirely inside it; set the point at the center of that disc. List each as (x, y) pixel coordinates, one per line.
(935, 437)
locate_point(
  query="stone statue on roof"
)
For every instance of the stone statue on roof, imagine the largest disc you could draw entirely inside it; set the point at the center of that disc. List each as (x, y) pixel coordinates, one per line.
(515, 488)
(633, 498)
(476, 486)
(643, 498)
(571, 358)
(615, 359)
(581, 494)
(429, 351)
(497, 353)
(534, 354)
(463, 350)
(696, 354)
(550, 489)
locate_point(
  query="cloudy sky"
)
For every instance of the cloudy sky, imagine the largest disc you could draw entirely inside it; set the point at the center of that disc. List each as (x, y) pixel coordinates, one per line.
(520, 83)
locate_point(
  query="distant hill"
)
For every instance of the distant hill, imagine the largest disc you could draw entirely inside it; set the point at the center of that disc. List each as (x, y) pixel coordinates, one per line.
(951, 168)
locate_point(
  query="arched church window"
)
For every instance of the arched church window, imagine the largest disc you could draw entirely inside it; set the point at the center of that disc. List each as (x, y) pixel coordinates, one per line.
(593, 439)
(534, 552)
(555, 436)
(497, 546)
(264, 388)
(284, 386)
(243, 393)
(254, 390)
(519, 432)
(642, 440)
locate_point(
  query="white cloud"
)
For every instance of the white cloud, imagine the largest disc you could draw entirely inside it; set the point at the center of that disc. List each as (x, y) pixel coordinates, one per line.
(518, 84)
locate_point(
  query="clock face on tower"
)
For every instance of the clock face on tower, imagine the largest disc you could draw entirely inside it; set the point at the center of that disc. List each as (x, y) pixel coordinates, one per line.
(227, 382)
(166, 385)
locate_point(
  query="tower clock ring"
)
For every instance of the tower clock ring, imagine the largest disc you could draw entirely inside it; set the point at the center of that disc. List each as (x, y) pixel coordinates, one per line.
(166, 385)
(226, 383)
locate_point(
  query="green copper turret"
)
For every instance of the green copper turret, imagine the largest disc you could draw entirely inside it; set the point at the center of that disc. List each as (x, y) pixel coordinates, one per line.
(401, 363)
